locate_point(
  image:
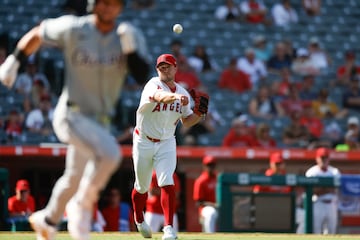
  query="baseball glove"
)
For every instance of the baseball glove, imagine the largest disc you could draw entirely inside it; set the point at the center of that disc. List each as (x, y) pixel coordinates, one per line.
(201, 101)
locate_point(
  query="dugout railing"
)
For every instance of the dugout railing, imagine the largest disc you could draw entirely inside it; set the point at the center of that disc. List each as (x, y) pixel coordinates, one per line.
(241, 210)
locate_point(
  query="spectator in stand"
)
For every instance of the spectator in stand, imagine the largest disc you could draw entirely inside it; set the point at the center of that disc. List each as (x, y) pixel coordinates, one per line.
(306, 88)
(325, 108)
(118, 214)
(276, 167)
(185, 74)
(38, 90)
(22, 204)
(176, 46)
(228, 12)
(279, 59)
(333, 134)
(312, 7)
(348, 70)
(274, 92)
(204, 195)
(200, 60)
(263, 50)
(234, 79)
(13, 125)
(284, 14)
(311, 121)
(187, 78)
(352, 137)
(240, 134)
(25, 81)
(75, 7)
(208, 125)
(154, 215)
(293, 102)
(263, 137)
(303, 65)
(255, 68)
(254, 11)
(39, 119)
(318, 56)
(296, 134)
(264, 106)
(351, 96)
(350, 142)
(285, 82)
(354, 125)
(289, 48)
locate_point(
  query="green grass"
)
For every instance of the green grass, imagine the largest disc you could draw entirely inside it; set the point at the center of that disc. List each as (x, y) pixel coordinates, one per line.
(184, 236)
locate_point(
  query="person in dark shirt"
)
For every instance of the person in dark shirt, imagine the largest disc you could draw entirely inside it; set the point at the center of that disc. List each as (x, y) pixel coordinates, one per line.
(351, 97)
(280, 59)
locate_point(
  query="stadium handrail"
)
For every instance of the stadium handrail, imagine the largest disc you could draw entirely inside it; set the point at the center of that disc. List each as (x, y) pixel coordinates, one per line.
(188, 152)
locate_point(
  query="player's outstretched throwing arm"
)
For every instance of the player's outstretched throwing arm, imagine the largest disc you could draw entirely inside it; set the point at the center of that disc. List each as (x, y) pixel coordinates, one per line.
(27, 45)
(168, 98)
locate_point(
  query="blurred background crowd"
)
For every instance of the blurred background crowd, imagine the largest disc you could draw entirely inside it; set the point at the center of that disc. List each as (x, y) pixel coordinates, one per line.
(280, 73)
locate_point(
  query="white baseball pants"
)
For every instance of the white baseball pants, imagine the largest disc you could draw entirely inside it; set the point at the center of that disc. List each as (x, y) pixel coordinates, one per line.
(209, 217)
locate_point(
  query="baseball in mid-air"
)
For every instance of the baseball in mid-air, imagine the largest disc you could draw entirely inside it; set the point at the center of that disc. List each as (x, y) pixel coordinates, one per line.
(177, 28)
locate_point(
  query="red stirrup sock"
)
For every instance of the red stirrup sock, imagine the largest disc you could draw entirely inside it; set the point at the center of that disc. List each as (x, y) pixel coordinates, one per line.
(168, 203)
(138, 201)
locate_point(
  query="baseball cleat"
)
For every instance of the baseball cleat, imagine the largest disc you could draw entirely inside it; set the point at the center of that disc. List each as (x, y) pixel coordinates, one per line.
(169, 233)
(144, 229)
(43, 230)
(79, 220)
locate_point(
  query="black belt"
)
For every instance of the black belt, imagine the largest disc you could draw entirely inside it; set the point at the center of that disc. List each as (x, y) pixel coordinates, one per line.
(327, 201)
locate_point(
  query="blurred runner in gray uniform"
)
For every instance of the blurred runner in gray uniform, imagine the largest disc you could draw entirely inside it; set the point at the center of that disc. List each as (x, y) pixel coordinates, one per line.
(98, 54)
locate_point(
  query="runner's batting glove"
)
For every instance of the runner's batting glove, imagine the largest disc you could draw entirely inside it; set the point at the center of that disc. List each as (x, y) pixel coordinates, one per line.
(201, 102)
(127, 34)
(8, 70)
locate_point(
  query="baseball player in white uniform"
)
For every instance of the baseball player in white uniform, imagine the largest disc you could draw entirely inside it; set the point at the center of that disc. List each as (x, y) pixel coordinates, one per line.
(98, 53)
(325, 200)
(162, 105)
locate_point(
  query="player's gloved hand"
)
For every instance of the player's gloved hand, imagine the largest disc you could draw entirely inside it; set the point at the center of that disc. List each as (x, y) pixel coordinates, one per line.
(201, 102)
(8, 70)
(127, 34)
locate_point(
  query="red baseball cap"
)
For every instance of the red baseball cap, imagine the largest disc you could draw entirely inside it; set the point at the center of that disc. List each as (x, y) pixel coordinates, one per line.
(22, 185)
(208, 160)
(166, 58)
(276, 158)
(322, 152)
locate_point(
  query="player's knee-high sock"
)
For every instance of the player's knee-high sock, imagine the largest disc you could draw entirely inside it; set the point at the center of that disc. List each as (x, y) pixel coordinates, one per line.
(168, 203)
(138, 201)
